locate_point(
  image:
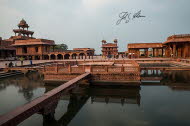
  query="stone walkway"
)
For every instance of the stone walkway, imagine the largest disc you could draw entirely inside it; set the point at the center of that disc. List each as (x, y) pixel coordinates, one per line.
(96, 58)
(18, 63)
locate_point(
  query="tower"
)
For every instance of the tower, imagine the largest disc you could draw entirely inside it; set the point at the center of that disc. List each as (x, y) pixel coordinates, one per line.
(109, 49)
(103, 42)
(115, 40)
(23, 29)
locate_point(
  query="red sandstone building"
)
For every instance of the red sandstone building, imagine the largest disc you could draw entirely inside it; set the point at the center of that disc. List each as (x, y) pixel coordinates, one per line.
(145, 49)
(176, 46)
(109, 49)
(6, 50)
(23, 44)
(30, 48)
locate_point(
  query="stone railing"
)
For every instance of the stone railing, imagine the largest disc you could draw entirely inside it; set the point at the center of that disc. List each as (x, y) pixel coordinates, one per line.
(73, 67)
(50, 69)
(94, 69)
(79, 69)
(63, 69)
(114, 69)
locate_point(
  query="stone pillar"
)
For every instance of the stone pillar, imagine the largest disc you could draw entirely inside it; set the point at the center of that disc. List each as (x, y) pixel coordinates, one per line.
(146, 52)
(185, 51)
(179, 52)
(188, 51)
(156, 52)
(63, 56)
(138, 53)
(49, 56)
(168, 51)
(41, 57)
(153, 52)
(174, 50)
(55, 56)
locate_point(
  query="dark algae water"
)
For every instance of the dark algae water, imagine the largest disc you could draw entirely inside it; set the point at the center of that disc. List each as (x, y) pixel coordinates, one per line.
(161, 100)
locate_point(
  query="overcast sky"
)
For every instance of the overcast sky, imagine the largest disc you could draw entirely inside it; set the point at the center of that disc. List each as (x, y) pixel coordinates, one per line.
(84, 23)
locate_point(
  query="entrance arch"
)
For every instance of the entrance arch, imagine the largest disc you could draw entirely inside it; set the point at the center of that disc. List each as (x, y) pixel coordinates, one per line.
(59, 56)
(46, 57)
(52, 56)
(66, 56)
(82, 56)
(74, 56)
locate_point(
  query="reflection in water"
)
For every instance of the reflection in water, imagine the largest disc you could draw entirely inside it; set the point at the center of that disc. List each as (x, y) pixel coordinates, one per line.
(80, 95)
(2, 86)
(18, 90)
(166, 77)
(104, 105)
(176, 77)
(121, 95)
(77, 98)
(25, 84)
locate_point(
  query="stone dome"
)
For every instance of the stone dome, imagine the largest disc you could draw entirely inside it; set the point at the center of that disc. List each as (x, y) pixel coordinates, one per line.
(23, 23)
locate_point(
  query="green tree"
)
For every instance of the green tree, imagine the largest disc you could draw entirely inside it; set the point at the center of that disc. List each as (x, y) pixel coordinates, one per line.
(61, 47)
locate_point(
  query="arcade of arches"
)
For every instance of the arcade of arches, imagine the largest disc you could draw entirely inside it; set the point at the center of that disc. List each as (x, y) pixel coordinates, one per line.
(60, 56)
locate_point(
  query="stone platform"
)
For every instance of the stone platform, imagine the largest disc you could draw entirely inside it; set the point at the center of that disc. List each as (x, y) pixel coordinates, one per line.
(122, 71)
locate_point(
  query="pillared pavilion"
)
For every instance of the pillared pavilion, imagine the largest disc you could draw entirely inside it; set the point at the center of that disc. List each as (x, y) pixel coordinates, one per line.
(176, 46)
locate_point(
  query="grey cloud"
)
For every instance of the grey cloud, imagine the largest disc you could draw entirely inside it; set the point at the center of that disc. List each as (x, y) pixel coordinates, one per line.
(84, 25)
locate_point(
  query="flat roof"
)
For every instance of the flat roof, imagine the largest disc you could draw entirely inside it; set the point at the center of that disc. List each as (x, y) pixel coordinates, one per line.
(33, 42)
(144, 45)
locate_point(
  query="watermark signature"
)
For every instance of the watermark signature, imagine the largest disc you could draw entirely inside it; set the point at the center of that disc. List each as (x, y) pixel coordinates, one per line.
(127, 17)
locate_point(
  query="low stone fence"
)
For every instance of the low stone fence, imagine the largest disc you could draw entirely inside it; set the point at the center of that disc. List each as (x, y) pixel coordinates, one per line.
(92, 69)
(120, 71)
(114, 69)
